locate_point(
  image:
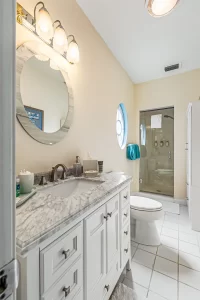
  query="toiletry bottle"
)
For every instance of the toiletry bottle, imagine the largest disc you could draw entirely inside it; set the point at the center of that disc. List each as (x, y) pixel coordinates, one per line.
(77, 167)
(17, 187)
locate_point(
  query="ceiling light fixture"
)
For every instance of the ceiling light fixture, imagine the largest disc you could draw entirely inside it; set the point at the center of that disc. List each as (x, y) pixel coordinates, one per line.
(160, 8)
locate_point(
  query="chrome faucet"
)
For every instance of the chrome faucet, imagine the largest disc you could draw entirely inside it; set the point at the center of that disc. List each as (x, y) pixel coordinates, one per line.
(54, 172)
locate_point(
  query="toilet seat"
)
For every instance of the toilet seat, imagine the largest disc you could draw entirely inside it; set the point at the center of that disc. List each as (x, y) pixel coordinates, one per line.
(145, 204)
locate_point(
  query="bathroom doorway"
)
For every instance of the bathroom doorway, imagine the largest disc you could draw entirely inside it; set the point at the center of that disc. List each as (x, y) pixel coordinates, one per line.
(157, 151)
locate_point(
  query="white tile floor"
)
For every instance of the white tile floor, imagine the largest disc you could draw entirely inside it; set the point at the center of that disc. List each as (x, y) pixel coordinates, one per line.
(172, 270)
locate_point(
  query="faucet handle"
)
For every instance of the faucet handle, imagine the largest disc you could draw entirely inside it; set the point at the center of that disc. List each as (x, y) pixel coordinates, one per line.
(64, 175)
(43, 180)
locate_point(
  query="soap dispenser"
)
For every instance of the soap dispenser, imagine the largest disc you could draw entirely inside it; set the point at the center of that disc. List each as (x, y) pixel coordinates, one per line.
(77, 168)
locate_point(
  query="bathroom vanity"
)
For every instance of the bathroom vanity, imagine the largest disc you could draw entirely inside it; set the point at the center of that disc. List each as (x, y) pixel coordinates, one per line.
(74, 247)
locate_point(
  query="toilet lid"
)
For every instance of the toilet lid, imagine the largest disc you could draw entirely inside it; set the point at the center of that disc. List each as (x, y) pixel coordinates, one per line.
(145, 204)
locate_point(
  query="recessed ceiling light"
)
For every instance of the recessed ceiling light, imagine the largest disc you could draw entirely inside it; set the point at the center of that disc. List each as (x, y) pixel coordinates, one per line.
(160, 8)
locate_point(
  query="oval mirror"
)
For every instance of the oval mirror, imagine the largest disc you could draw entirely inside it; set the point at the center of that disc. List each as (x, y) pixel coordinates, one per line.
(44, 97)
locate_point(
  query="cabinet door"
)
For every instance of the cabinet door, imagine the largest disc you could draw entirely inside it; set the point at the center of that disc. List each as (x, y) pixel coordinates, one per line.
(95, 251)
(112, 208)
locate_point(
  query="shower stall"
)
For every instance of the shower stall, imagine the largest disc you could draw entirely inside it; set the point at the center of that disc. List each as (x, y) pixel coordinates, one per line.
(157, 151)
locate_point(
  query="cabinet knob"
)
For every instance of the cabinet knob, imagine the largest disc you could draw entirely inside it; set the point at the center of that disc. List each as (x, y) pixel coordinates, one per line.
(66, 253)
(106, 217)
(126, 232)
(126, 197)
(110, 214)
(107, 287)
(67, 291)
(126, 215)
(126, 250)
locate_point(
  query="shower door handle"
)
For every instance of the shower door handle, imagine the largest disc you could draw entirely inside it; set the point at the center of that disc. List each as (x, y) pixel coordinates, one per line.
(169, 155)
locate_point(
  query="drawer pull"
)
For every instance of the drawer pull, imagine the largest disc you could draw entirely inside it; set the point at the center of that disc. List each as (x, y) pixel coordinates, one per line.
(106, 218)
(126, 250)
(107, 287)
(67, 291)
(126, 197)
(66, 253)
(126, 215)
(110, 214)
(126, 232)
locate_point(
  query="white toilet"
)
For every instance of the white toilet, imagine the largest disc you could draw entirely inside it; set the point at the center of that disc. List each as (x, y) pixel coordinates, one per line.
(144, 213)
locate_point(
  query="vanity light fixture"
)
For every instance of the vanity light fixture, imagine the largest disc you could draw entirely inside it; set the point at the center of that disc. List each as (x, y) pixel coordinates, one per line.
(73, 55)
(160, 8)
(51, 33)
(60, 38)
(43, 23)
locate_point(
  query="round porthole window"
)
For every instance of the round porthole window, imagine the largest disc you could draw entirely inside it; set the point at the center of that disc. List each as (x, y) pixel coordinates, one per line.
(122, 126)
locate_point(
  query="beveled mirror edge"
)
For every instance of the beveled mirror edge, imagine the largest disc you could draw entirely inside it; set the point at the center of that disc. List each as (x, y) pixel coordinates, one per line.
(23, 53)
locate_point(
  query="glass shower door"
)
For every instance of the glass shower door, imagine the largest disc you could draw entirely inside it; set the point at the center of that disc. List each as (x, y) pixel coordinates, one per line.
(157, 151)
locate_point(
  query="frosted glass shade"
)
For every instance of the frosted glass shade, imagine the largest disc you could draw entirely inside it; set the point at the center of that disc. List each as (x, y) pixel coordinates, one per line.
(59, 39)
(73, 55)
(159, 8)
(44, 27)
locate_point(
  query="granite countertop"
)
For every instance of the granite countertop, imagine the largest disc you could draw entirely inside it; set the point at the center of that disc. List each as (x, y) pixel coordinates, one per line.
(43, 214)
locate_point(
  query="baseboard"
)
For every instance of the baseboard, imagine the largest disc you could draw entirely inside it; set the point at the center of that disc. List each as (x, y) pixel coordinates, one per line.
(160, 197)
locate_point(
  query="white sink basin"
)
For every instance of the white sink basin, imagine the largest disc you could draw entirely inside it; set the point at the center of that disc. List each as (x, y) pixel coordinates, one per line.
(71, 187)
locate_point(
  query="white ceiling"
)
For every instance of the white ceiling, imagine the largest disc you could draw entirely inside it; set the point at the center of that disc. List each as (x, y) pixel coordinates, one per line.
(143, 44)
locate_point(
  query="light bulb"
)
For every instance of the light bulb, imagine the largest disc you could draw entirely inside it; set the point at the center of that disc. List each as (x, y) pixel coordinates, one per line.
(159, 8)
(44, 27)
(73, 55)
(59, 36)
(53, 65)
(59, 39)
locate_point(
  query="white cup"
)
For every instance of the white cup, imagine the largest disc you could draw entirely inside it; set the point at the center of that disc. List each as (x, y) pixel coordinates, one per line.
(26, 183)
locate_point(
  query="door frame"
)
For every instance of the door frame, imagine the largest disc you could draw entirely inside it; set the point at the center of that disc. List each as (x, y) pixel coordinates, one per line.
(148, 110)
(7, 133)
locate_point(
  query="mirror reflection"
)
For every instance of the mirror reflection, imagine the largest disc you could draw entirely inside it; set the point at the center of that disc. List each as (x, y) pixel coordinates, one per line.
(44, 94)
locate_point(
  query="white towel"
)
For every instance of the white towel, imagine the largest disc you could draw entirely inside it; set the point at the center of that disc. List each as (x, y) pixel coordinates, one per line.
(122, 292)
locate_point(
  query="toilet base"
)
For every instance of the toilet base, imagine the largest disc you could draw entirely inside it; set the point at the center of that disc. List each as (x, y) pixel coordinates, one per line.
(146, 233)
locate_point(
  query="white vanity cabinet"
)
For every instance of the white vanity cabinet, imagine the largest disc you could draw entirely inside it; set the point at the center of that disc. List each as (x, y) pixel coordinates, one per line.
(102, 250)
(84, 260)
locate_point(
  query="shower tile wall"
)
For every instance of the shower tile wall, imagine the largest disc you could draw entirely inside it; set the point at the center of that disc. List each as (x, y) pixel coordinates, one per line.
(157, 153)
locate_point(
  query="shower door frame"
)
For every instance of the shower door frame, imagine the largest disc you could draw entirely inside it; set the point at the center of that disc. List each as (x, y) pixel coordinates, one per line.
(148, 110)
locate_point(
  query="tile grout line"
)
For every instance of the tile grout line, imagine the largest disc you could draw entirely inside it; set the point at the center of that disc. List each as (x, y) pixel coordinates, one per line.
(154, 263)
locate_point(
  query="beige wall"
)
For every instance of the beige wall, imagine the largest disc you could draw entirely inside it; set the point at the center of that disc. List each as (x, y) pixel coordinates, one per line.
(175, 91)
(99, 85)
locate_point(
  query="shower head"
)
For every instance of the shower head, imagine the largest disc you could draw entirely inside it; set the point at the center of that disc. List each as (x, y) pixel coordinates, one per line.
(167, 116)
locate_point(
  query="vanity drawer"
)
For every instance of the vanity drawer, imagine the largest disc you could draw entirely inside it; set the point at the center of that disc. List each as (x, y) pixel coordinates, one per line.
(125, 197)
(56, 258)
(69, 286)
(125, 215)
